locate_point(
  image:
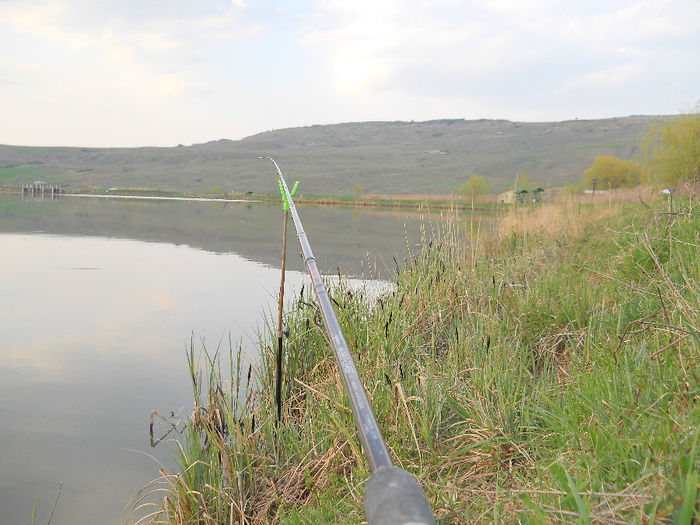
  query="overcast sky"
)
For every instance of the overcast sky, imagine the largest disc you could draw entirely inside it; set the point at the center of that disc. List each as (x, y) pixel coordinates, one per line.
(151, 72)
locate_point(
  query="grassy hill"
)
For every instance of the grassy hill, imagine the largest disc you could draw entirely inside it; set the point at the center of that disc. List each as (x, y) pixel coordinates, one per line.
(383, 157)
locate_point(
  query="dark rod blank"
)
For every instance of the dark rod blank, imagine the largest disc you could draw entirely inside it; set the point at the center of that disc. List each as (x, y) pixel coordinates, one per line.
(396, 497)
(280, 331)
(370, 435)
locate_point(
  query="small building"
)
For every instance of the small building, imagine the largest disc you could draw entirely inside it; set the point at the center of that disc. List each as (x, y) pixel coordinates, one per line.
(521, 196)
(507, 197)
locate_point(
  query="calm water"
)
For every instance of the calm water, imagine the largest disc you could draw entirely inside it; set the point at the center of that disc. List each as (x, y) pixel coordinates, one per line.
(98, 302)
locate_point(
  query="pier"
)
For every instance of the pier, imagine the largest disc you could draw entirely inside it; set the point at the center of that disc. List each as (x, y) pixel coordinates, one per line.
(42, 189)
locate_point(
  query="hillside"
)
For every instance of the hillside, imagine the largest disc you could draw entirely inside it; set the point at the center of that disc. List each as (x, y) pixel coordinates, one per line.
(383, 157)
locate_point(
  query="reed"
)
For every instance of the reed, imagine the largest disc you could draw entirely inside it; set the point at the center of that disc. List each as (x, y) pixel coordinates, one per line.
(546, 374)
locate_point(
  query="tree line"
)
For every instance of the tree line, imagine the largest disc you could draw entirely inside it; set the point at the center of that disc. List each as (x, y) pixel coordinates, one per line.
(670, 154)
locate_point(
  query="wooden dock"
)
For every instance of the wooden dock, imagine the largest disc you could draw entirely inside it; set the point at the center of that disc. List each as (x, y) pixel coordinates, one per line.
(42, 189)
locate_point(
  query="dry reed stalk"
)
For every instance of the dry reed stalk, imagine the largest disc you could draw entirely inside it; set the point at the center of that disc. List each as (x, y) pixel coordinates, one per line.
(554, 220)
(646, 194)
(402, 396)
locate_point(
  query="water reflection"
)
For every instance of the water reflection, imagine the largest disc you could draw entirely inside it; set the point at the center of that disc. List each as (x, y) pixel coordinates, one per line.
(88, 354)
(340, 237)
(97, 311)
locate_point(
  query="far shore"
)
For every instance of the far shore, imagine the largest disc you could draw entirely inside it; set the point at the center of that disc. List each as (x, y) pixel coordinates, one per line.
(454, 202)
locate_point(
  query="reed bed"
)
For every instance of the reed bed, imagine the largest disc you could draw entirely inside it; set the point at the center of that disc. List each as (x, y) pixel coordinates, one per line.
(546, 374)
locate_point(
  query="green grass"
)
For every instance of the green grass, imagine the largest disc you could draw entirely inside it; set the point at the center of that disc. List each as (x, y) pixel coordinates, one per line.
(23, 174)
(542, 376)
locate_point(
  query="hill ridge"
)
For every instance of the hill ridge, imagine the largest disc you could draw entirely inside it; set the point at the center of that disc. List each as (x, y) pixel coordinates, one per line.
(432, 156)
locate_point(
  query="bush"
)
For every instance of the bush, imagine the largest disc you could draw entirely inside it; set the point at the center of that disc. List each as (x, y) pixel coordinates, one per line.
(672, 149)
(475, 185)
(609, 172)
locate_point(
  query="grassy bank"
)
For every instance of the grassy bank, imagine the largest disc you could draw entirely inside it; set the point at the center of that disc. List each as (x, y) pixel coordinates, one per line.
(547, 375)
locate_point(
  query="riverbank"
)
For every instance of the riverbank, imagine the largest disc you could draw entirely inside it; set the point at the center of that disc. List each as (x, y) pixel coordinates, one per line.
(546, 375)
(393, 201)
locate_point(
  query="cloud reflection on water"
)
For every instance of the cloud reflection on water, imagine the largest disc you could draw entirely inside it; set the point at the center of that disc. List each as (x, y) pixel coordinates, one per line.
(87, 355)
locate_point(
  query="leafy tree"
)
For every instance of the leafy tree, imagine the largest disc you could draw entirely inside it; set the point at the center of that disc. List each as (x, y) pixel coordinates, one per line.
(475, 185)
(672, 148)
(358, 190)
(608, 171)
(524, 182)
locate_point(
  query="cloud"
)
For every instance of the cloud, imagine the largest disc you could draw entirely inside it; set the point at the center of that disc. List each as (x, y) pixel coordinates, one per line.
(189, 72)
(153, 49)
(615, 76)
(86, 69)
(486, 54)
(385, 47)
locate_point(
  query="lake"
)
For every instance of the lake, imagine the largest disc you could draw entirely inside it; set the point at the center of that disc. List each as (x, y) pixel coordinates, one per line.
(99, 300)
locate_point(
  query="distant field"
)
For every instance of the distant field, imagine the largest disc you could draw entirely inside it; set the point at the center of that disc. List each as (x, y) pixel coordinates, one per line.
(382, 157)
(21, 174)
(433, 197)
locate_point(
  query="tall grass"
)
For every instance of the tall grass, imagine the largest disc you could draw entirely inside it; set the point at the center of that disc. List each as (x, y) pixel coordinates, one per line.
(546, 374)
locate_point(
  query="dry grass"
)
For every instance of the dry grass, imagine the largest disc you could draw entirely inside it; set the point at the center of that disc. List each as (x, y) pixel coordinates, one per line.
(426, 197)
(555, 219)
(517, 384)
(250, 480)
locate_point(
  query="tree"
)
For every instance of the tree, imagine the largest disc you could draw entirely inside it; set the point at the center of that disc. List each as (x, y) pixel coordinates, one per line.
(358, 190)
(475, 185)
(672, 148)
(609, 172)
(525, 182)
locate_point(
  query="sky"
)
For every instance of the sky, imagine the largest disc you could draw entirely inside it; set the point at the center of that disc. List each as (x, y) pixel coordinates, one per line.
(161, 73)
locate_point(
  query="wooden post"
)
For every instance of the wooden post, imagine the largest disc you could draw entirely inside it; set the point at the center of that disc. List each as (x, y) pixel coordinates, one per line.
(280, 332)
(670, 226)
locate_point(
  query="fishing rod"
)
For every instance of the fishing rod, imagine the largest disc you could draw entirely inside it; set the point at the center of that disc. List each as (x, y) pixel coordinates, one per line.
(392, 495)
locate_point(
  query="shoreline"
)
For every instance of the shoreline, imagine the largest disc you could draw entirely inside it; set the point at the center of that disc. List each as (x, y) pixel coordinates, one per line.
(154, 197)
(394, 201)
